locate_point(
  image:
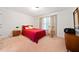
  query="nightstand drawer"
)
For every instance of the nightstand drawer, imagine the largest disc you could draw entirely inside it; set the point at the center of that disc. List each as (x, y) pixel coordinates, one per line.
(16, 32)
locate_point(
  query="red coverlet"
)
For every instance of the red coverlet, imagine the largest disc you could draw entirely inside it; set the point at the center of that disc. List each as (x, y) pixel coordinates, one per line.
(34, 34)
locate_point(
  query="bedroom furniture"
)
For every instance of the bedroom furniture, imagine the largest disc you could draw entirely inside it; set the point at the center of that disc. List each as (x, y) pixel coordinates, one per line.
(76, 18)
(16, 32)
(71, 40)
(51, 31)
(33, 33)
(72, 34)
(76, 21)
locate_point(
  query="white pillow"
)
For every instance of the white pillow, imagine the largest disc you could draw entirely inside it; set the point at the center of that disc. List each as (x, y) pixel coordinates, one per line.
(30, 27)
(26, 27)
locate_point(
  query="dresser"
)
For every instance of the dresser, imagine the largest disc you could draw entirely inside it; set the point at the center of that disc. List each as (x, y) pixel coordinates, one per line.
(72, 42)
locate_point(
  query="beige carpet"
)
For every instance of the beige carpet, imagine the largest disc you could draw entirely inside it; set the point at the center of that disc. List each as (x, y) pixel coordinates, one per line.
(23, 44)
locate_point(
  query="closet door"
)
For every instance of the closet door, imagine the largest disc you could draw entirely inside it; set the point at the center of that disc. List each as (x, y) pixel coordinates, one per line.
(53, 23)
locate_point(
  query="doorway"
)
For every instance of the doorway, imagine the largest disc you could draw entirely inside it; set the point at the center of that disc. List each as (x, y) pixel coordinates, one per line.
(53, 24)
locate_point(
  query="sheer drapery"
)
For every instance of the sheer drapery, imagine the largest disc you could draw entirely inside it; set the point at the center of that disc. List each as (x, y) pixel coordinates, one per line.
(45, 22)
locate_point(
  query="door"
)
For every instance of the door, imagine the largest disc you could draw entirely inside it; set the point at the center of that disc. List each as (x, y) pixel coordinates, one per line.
(53, 23)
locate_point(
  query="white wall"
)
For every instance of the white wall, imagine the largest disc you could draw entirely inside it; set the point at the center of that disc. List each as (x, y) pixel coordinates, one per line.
(37, 22)
(13, 19)
(64, 20)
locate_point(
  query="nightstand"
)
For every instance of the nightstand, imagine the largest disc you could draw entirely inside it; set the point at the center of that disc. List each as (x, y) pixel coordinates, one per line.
(16, 32)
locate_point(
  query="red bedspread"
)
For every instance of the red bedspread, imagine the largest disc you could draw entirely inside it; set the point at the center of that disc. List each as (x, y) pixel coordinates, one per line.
(33, 34)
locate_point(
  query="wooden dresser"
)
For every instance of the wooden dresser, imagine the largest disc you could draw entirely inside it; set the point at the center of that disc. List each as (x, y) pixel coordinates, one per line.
(72, 42)
(16, 32)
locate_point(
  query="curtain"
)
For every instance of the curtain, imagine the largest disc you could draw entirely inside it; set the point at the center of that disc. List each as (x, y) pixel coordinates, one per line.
(45, 22)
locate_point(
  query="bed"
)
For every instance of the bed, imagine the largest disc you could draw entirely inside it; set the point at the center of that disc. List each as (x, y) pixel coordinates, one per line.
(33, 33)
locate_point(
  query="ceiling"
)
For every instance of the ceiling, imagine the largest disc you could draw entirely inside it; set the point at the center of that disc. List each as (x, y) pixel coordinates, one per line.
(37, 11)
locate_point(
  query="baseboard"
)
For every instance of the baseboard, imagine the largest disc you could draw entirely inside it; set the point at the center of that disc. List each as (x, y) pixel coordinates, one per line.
(61, 37)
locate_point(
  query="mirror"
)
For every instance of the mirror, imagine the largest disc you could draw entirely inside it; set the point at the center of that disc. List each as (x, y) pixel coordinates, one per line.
(76, 20)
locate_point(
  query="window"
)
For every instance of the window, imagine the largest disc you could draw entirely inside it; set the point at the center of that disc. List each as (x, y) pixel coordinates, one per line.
(45, 23)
